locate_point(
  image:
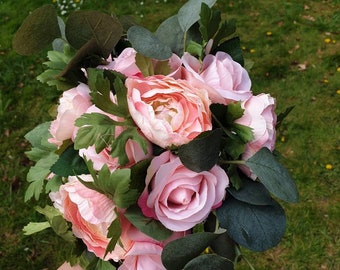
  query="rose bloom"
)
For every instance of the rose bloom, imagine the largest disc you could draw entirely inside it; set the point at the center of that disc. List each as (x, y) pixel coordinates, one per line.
(125, 63)
(259, 114)
(90, 212)
(132, 149)
(169, 112)
(228, 80)
(178, 197)
(143, 252)
(73, 103)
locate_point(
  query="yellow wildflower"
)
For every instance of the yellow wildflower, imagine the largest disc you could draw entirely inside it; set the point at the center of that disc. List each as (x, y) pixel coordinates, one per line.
(338, 92)
(338, 69)
(329, 166)
(269, 33)
(327, 40)
(252, 50)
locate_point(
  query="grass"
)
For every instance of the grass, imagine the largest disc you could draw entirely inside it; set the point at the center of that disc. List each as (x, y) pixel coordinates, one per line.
(296, 63)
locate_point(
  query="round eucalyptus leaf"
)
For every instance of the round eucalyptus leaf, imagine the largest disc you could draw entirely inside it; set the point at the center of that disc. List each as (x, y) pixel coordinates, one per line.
(256, 227)
(209, 262)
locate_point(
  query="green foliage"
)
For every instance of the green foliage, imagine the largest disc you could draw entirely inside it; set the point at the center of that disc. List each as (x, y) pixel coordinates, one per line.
(113, 234)
(209, 262)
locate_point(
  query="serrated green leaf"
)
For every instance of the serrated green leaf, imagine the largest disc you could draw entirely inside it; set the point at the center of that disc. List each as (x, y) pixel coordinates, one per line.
(114, 233)
(273, 175)
(233, 48)
(209, 262)
(95, 129)
(226, 29)
(178, 253)
(53, 184)
(147, 43)
(256, 227)
(148, 226)
(85, 25)
(69, 163)
(103, 265)
(209, 22)
(37, 31)
(34, 227)
(189, 13)
(202, 153)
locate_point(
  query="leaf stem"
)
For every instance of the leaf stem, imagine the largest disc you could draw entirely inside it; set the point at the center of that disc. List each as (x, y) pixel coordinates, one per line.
(237, 162)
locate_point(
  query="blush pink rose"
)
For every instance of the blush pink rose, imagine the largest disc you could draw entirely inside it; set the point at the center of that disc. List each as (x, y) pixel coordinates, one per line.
(178, 197)
(73, 103)
(132, 149)
(228, 79)
(259, 114)
(90, 213)
(67, 266)
(169, 112)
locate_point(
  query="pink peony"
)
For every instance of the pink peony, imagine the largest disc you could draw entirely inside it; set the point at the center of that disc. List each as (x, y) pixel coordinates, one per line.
(228, 80)
(178, 197)
(259, 114)
(73, 103)
(90, 213)
(168, 111)
(133, 150)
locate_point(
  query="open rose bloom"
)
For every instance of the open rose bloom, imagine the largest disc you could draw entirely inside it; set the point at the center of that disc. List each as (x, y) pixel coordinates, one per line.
(156, 143)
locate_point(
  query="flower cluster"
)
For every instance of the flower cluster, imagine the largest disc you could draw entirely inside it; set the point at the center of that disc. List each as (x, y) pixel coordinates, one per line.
(159, 149)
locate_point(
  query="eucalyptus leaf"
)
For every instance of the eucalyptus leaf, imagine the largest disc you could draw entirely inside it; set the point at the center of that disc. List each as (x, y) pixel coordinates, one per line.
(147, 43)
(202, 153)
(85, 25)
(251, 192)
(148, 226)
(176, 254)
(256, 227)
(273, 175)
(189, 13)
(37, 31)
(209, 262)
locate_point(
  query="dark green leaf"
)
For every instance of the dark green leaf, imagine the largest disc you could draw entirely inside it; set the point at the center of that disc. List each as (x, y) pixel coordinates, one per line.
(145, 65)
(227, 28)
(255, 227)
(233, 48)
(209, 22)
(148, 226)
(147, 43)
(69, 163)
(178, 253)
(37, 31)
(251, 192)
(138, 174)
(189, 13)
(103, 265)
(273, 175)
(209, 262)
(85, 25)
(114, 233)
(202, 153)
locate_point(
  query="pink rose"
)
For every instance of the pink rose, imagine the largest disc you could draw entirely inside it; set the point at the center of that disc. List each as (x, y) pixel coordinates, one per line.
(67, 266)
(132, 149)
(259, 114)
(90, 213)
(73, 103)
(178, 197)
(168, 111)
(228, 79)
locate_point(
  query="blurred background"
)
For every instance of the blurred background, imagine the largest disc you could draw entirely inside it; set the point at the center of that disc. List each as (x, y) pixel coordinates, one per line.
(295, 48)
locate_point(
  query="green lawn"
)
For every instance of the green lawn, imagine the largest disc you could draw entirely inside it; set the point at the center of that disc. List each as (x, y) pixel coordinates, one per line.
(295, 47)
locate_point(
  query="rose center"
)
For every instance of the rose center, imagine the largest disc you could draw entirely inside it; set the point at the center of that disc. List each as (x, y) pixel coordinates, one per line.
(181, 196)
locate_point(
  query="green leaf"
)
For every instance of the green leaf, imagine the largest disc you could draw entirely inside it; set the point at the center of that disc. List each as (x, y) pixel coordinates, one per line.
(37, 175)
(145, 65)
(283, 115)
(195, 48)
(138, 174)
(148, 226)
(251, 192)
(95, 129)
(202, 153)
(114, 233)
(103, 265)
(147, 43)
(256, 227)
(69, 163)
(189, 13)
(209, 262)
(37, 31)
(85, 25)
(209, 22)
(178, 253)
(34, 227)
(233, 48)
(273, 175)
(53, 184)
(39, 135)
(226, 29)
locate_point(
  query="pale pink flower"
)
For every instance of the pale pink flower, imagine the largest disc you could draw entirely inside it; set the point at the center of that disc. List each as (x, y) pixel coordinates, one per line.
(228, 80)
(178, 197)
(168, 111)
(259, 114)
(73, 104)
(90, 213)
(67, 266)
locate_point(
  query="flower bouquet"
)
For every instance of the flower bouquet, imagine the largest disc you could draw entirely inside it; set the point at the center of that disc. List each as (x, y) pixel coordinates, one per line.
(159, 156)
